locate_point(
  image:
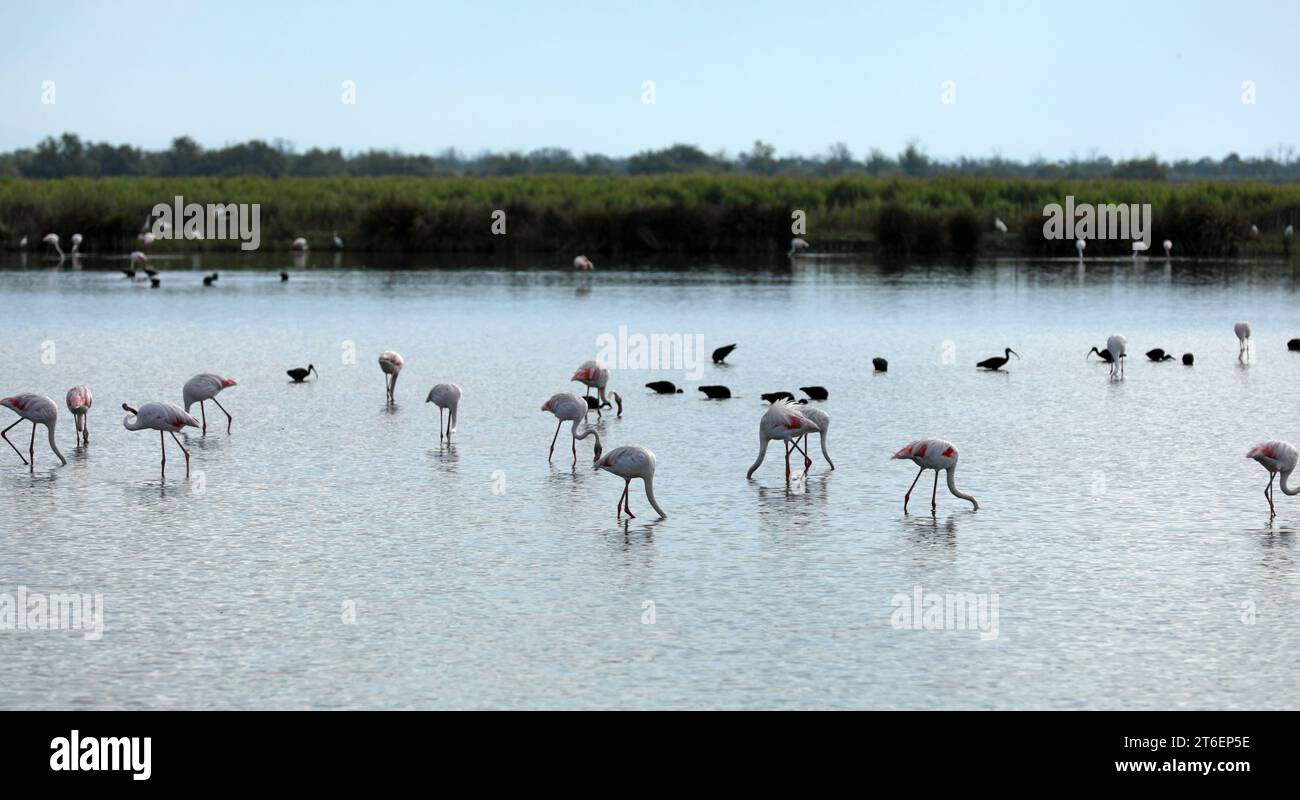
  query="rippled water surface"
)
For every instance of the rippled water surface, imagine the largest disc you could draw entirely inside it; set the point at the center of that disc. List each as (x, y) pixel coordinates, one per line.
(329, 553)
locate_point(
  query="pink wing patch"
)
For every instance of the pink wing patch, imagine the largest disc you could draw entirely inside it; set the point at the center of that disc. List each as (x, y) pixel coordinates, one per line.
(920, 451)
(948, 453)
(793, 423)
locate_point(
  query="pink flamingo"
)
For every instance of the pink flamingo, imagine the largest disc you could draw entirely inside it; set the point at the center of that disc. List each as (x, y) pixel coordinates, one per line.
(204, 387)
(391, 363)
(164, 418)
(935, 454)
(583, 263)
(786, 421)
(445, 396)
(52, 239)
(1276, 457)
(79, 400)
(823, 422)
(594, 375)
(38, 411)
(628, 462)
(568, 407)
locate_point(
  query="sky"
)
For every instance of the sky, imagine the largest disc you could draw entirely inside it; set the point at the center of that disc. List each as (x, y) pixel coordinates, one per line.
(1049, 79)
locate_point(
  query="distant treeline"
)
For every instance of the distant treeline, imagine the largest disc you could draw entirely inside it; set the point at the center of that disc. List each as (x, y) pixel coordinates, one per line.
(632, 215)
(69, 156)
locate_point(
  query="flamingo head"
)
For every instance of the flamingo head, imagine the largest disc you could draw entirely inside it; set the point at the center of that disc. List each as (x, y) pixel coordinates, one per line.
(128, 409)
(597, 450)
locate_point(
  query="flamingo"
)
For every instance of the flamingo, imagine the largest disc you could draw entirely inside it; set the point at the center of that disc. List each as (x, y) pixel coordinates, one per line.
(1117, 347)
(76, 242)
(204, 387)
(628, 462)
(568, 407)
(22, 243)
(1254, 231)
(139, 261)
(146, 238)
(37, 410)
(583, 263)
(1079, 246)
(823, 422)
(1169, 248)
(445, 396)
(1276, 457)
(300, 244)
(1242, 329)
(593, 375)
(391, 363)
(935, 454)
(79, 401)
(999, 225)
(1140, 247)
(797, 246)
(786, 421)
(164, 418)
(52, 239)
(338, 243)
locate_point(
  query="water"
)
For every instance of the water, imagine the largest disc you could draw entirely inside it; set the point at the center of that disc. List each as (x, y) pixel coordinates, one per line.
(1121, 529)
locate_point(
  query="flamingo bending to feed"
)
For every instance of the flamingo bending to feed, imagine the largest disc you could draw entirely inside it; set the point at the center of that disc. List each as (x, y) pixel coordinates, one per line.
(1276, 457)
(568, 407)
(300, 244)
(823, 422)
(391, 363)
(797, 246)
(79, 401)
(786, 421)
(628, 462)
(583, 263)
(37, 410)
(935, 454)
(1242, 329)
(593, 375)
(1117, 345)
(1079, 246)
(164, 418)
(52, 239)
(76, 242)
(204, 387)
(445, 396)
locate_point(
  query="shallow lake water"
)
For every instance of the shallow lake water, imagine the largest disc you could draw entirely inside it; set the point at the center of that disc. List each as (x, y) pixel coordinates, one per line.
(330, 553)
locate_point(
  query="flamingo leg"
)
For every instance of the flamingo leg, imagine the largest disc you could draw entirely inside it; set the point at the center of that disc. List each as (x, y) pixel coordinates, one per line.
(575, 451)
(440, 423)
(229, 419)
(1268, 494)
(183, 450)
(807, 462)
(11, 444)
(203, 413)
(31, 448)
(787, 460)
(934, 494)
(908, 496)
(162, 444)
(618, 509)
(627, 488)
(553, 439)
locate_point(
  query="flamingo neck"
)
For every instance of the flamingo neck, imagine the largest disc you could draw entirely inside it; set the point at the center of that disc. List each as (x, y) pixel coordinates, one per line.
(50, 428)
(952, 487)
(762, 452)
(131, 422)
(1288, 489)
(825, 454)
(650, 495)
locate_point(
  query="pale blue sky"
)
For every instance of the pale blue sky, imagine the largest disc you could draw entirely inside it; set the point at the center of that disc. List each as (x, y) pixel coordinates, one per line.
(1045, 78)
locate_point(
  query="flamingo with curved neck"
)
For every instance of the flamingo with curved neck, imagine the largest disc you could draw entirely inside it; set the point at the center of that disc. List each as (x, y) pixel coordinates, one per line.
(37, 410)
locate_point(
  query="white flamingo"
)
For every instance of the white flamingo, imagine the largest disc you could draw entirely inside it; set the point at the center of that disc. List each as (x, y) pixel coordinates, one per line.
(1169, 248)
(823, 422)
(999, 225)
(52, 239)
(786, 421)
(300, 244)
(1242, 329)
(568, 407)
(1276, 457)
(391, 362)
(445, 396)
(37, 410)
(204, 387)
(76, 242)
(1079, 246)
(628, 462)
(1118, 347)
(594, 375)
(583, 263)
(935, 454)
(338, 242)
(79, 400)
(797, 246)
(164, 418)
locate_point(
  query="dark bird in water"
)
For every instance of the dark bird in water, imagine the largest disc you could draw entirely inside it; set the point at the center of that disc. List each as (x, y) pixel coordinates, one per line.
(720, 355)
(284, 276)
(772, 397)
(208, 280)
(130, 273)
(1159, 354)
(716, 392)
(1105, 355)
(154, 283)
(880, 364)
(1188, 359)
(299, 374)
(663, 387)
(1293, 345)
(814, 392)
(593, 404)
(997, 362)
(152, 273)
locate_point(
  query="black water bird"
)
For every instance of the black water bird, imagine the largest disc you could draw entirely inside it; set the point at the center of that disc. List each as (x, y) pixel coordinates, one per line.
(208, 280)
(997, 362)
(154, 283)
(1188, 359)
(720, 355)
(814, 392)
(773, 397)
(1159, 354)
(1105, 355)
(1293, 345)
(299, 374)
(152, 273)
(716, 392)
(880, 364)
(663, 387)
(284, 276)
(130, 273)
